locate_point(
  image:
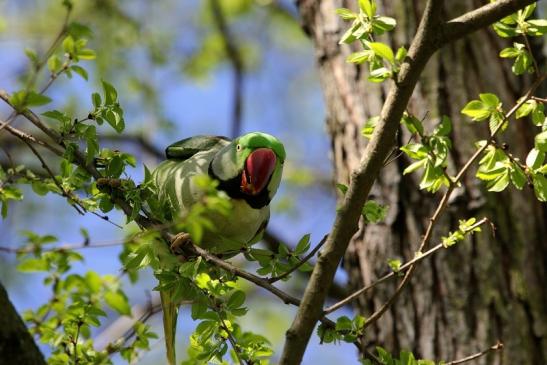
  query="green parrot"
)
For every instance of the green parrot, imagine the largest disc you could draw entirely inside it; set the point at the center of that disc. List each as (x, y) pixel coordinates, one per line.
(248, 169)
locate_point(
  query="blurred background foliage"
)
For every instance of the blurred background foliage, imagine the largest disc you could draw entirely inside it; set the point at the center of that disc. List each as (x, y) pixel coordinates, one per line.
(176, 77)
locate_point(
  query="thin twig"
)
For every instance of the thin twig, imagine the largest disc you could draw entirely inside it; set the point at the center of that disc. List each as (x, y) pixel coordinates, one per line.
(232, 341)
(496, 347)
(77, 205)
(529, 48)
(29, 137)
(541, 100)
(401, 269)
(263, 283)
(300, 263)
(80, 246)
(234, 57)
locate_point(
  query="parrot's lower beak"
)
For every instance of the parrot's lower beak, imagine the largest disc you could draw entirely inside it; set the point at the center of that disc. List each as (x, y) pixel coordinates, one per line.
(259, 167)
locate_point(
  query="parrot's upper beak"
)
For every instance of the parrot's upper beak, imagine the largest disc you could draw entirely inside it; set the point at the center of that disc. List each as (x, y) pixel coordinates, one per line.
(259, 167)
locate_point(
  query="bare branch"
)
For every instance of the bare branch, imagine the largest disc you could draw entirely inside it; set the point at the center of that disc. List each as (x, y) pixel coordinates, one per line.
(235, 60)
(402, 269)
(496, 347)
(30, 138)
(479, 18)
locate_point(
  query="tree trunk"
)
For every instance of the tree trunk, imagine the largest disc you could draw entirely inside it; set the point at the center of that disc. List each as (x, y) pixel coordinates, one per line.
(16, 343)
(466, 298)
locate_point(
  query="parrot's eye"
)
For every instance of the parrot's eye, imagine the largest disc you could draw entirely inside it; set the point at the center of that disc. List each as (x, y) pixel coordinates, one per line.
(238, 147)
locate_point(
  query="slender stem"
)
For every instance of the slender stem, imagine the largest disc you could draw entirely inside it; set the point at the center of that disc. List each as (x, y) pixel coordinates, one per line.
(541, 100)
(529, 48)
(235, 59)
(402, 269)
(30, 138)
(300, 263)
(77, 205)
(496, 347)
(232, 340)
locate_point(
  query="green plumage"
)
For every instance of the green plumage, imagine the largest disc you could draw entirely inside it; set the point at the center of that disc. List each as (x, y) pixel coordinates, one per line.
(226, 161)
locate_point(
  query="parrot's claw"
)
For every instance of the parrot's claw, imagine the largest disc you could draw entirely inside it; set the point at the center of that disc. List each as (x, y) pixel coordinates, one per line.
(179, 241)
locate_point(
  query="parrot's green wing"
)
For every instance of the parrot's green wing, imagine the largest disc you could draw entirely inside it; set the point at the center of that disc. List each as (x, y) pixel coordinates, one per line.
(186, 148)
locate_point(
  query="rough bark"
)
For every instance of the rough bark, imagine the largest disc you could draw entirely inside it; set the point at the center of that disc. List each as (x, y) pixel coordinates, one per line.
(486, 289)
(16, 343)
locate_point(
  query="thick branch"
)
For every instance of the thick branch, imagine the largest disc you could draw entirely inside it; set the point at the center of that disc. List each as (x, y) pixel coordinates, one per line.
(16, 343)
(480, 18)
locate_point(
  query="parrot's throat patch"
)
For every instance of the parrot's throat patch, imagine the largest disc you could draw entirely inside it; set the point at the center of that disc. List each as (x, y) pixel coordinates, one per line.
(258, 170)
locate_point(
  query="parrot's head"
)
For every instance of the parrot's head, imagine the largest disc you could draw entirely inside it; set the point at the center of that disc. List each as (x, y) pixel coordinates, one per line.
(252, 164)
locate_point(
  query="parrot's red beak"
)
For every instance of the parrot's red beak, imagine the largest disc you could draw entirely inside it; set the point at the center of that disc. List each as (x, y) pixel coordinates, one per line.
(258, 169)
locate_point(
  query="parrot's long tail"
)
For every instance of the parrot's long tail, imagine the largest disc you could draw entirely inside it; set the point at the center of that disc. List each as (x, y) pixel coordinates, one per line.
(170, 313)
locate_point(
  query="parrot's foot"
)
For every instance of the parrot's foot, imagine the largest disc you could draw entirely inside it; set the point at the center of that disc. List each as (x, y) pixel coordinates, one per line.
(179, 241)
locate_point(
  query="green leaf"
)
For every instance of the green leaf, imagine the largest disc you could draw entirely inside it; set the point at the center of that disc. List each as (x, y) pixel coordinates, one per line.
(374, 212)
(237, 299)
(57, 115)
(96, 99)
(413, 124)
(343, 188)
(509, 52)
(86, 54)
(80, 71)
(476, 110)
(36, 99)
(536, 27)
(90, 135)
(535, 158)
(500, 183)
(401, 54)
(346, 14)
(522, 63)
(540, 142)
(69, 45)
(444, 128)
(490, 100)
(540, 187)
(54, 63)
(369, 126)
(118, 301)
(303, 245)
(415, 151)
(526, 108)
(379, 74)
(361, 56)
(505, 30)
(497, 118)
(343, 324)
(518, 177)
(383, 24)
(382, 50)
(368, 7)
(394, 264)
(33, 265)
(415, 166)
(110, 93)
